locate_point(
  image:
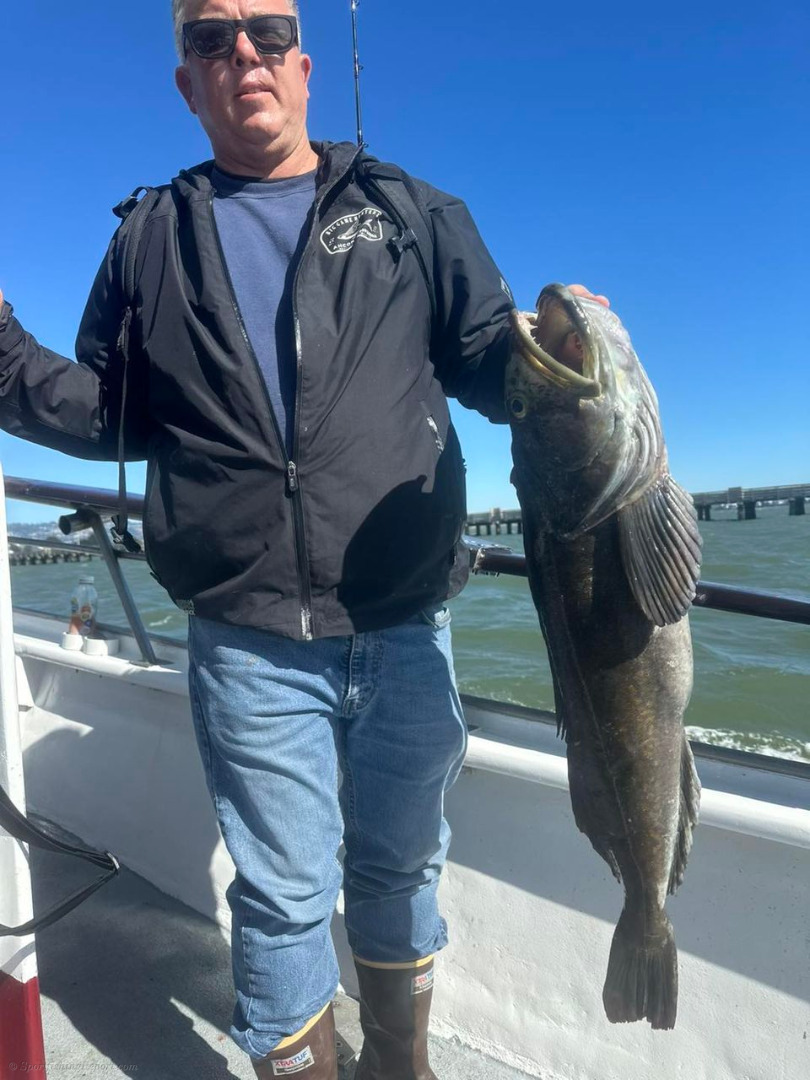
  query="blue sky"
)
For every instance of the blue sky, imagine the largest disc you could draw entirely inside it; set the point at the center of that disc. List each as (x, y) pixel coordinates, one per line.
(658, 155)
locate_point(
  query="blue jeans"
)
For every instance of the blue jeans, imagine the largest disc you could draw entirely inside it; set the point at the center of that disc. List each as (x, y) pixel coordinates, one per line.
(277, 723)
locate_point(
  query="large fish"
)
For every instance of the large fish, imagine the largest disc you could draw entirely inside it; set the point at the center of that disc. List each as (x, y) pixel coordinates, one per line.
(613, 555)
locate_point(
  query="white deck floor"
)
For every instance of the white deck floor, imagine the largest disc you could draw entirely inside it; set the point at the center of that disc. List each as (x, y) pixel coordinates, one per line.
(136, 984)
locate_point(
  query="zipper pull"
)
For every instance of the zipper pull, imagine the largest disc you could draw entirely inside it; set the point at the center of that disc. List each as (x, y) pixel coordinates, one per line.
(292, 478)
(306, 623)
(434, 427)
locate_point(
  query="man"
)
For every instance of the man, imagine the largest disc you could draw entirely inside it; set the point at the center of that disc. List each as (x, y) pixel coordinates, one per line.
(287, 372)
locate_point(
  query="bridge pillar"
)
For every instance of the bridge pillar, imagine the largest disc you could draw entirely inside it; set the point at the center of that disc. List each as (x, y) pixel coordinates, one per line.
(747, 510)
(704, 512)
(796, 507)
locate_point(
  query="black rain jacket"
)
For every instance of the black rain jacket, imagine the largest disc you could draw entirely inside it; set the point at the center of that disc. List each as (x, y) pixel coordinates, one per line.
(361, 528)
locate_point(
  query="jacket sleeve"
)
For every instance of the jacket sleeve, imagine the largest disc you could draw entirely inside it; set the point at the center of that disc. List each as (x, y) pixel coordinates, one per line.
(471, 340)
(68, 406)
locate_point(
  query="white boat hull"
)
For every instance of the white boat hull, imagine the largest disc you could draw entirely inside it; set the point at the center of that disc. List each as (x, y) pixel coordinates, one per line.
(110, 755)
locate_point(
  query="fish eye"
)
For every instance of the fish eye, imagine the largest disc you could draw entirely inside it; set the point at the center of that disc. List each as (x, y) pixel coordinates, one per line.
(517, 407)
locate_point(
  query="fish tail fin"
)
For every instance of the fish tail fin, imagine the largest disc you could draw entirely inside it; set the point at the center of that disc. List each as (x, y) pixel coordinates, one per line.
(642, 975)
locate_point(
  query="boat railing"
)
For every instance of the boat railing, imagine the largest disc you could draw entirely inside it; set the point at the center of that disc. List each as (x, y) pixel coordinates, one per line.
(493, 559)
(89, 505)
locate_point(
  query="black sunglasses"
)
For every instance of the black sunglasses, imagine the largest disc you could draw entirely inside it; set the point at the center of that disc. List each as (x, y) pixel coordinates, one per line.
(214, 39)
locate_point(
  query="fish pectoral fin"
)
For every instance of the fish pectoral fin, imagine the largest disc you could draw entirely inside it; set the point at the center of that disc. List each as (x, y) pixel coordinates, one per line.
(661, 549)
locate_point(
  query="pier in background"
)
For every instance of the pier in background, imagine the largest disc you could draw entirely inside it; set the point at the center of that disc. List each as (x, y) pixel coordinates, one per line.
(494, 521)
(746, 500)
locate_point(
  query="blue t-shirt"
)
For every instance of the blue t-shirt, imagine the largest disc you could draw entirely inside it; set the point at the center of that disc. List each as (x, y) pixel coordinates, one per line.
(260, 225)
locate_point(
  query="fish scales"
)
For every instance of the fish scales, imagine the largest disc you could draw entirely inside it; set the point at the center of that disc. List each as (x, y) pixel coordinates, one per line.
(613, 556)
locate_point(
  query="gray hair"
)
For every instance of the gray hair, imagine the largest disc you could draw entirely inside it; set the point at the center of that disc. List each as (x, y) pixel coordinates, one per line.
(179, 17)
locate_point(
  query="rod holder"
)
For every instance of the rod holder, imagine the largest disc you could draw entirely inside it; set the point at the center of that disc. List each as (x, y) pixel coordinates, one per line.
(71, 523)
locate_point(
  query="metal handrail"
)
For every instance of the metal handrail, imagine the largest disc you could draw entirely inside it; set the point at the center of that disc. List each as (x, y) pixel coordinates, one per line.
(88, 505)
(70, 496)
(491, 559)
(730, 598)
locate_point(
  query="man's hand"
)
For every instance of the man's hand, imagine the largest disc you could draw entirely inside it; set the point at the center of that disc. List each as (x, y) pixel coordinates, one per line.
(580, 290)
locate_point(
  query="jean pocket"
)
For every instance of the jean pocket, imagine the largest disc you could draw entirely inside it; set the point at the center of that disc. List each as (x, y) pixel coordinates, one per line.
(436, 616)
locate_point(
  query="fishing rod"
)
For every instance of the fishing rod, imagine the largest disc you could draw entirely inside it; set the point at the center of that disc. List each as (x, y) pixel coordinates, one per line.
(358, 67)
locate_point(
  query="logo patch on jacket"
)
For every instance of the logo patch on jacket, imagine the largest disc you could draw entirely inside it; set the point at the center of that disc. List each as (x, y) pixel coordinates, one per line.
(342, 234)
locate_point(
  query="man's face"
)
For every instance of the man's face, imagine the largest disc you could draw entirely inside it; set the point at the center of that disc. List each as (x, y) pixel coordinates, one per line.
(246, 102)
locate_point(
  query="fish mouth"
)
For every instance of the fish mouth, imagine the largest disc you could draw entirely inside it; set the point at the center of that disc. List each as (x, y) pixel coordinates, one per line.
(562, 324)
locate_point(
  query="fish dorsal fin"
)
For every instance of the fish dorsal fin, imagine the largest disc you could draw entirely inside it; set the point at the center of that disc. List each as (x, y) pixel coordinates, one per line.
(661, 549)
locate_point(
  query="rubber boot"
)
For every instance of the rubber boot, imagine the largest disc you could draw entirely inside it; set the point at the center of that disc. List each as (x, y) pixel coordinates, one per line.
(394, 1013)
(311, 1056)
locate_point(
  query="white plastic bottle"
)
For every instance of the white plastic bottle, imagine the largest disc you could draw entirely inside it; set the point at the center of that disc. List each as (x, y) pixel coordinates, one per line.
(83, 608)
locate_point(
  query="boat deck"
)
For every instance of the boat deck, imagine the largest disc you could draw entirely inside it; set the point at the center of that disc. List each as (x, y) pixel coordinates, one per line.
(134, 983)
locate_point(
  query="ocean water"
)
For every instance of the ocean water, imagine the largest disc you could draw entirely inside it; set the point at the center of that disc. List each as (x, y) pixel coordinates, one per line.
(752, 675)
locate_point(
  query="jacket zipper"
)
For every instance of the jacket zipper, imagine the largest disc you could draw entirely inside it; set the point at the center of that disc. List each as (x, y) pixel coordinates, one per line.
(292, 483)
(293, 479)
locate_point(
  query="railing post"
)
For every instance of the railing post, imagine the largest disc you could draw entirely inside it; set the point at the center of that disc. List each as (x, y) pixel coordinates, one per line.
(122, 588)
(87, 518)
(21, 1042)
